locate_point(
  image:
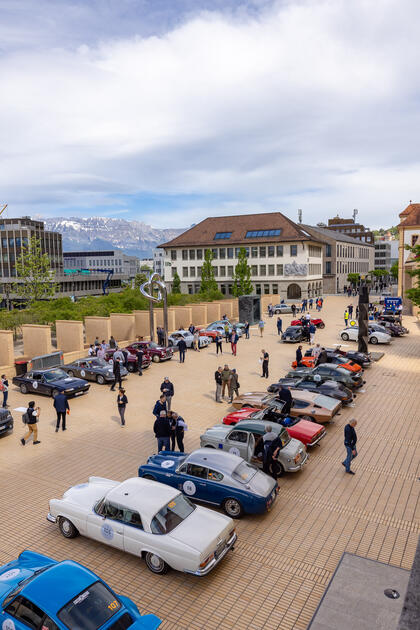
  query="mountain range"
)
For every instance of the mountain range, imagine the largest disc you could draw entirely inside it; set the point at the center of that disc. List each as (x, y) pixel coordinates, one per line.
(134, 238)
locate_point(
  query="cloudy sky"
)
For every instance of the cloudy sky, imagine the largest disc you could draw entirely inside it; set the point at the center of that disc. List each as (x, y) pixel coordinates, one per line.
(169, 111)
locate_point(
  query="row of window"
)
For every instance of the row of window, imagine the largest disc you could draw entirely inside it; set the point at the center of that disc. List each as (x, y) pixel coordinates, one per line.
(315, 251)
(315, 270)
(223, 272)
(221, 253)
(352, 251)
(18, 241)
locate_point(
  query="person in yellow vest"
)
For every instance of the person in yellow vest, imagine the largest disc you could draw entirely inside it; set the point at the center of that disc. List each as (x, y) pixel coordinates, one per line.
(346, 318)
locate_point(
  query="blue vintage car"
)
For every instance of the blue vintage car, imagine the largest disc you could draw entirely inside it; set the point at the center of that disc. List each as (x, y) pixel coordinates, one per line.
(50, 382)
(40, 593)
(215, 477)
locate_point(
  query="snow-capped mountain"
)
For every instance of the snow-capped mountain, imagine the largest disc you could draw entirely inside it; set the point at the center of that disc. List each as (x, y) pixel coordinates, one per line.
(133, 237)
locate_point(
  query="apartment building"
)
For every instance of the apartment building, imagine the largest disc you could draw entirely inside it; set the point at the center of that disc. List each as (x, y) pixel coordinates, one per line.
(115, 260)
(284, 258)
(386, 253)
(352, 229)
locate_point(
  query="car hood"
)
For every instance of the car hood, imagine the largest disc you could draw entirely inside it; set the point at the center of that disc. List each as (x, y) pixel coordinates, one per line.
(87, 494)
(293, 448)
(261, 484)
(202, 530)
(68, 382)
(241, 414)
(217, 432)
(12, 573)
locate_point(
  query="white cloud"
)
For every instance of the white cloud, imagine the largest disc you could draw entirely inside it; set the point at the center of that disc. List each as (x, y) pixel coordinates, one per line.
(306, 104)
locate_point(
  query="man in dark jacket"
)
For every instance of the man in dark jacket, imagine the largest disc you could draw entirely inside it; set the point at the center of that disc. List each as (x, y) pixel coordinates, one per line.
(167, 389)
(160, 405)
(322, 357)
(350, 439)
(162, 429)
(265, 357)
(182, 346)
(116, 368)
(61, 405)
(139, 355)
(299, 356)
(285, 396)
(279, 326)
(218, 379)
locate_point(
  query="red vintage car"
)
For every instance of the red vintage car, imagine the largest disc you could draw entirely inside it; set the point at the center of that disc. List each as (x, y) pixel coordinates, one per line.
(131, 359)
(310, 433)
(156, 352)
(314, 320)
(343, 362)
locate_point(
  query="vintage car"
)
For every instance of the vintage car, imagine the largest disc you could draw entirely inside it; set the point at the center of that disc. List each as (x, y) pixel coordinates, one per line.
(362, 358)
(175, 337)
(316, 321)
(147, 519)
(132, 363)
(6, 421)
(239, 326)
(245, 440)
(40, 593)
(390, 316)
(351, 333)
(219, 327)
(156, 352)
(93, 369)
(50, 383)
(312, 406)
(332, 372)
(293, 334)
(395, 330)
(335, 359)
(309, 433)
(214, 477)
(314, 383)
(279, 309)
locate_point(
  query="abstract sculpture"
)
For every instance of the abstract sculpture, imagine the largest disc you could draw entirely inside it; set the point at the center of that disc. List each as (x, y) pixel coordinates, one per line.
(155, 282)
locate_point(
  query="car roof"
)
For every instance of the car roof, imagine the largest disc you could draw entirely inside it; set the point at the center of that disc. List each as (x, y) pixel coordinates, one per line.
(143, 495)
(218, 459)
(257, 424)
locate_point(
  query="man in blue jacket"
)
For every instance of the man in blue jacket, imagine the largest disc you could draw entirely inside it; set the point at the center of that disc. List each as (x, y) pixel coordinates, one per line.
(350, 439)
(61, 405)
(160, 405)
(167, 389)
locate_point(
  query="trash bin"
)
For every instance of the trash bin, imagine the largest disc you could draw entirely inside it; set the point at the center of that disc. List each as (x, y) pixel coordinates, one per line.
(21, 367)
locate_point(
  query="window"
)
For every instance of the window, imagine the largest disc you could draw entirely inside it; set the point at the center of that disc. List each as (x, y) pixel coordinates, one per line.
(199, 271)
(173, 254)
(254, 270)
(199, 254)
(197, 471)
(266, 289)
(190, 289)
(11, 242)
(216, 271)
(230, 271)
(192, 254)
(237, 252)
(25, 611)
(173, 271)
(18, 241)
(254, 252)
(293, 250)
(222, 235)
(132, 518)
(258, 289)
(223, 271)
(279, 250)
(262, 252)
(270, 250)
(261, 233)
(314, 251)
(328, 267)
(328, 251)
(263, 270)
(271, 270)
(185, 254)
(215, 253)
(214, 475)
(238, 436)
(230, 252)
(91, 609)
(4, 242)
(414, 239)
(274, 289)
(192, 272)
(279, 270)
(222, 252)
(172, 515)
(185, 272)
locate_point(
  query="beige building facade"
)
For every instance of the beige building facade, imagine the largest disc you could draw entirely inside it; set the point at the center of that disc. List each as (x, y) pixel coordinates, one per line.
(409, 233)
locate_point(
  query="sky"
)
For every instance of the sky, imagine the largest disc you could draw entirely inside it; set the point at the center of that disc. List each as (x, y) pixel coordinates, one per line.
(169, 111)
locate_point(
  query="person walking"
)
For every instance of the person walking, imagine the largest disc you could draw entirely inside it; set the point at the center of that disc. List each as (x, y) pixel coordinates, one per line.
(122, 401)
(218, 379)
(234, 341)
(246, 329)
(303, 306)
(293, 307)
(167, 389)
(226, 331)
(279, 326)
(226, 376)
(299, 356)
(233, 385)
(285, 396)
(311, 303)
(139, 356)
(196, 341)
(116, 368)
(346, 318)
(265, 357)
(162, 431)
(312, 331)
(182, 347)
(61, 405)
(316, 350)
(261, 325)
(160, 405)
(32, 414)
(219, 342)
(350, 309)
(4, 387)
(350, 439)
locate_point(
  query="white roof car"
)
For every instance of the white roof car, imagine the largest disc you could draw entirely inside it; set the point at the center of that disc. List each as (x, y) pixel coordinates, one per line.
(351, 334)
(175, 337)
(148, 519)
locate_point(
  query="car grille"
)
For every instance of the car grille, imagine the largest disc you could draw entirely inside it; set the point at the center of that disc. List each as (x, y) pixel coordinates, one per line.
(125, 621)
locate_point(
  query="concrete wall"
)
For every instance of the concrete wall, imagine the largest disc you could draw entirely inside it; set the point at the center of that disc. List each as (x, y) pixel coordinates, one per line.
(235, 308)
(97, 327)
(213, 312)
(7, 354)
(141, 323)
(69, 335)
(158, 312)
(183, 316)
(36, 340)
(122, 326)
(199, 314)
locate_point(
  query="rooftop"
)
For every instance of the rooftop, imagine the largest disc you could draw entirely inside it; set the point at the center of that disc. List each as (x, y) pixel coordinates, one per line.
(410, 217)
(321, 232)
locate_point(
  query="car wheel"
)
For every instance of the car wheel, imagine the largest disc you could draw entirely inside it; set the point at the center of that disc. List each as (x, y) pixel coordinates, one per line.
(155, 564)
(148, 476)
(233, 508)
(322, 325)
(131, 366)
(54, 393)
(100, 379)
(70, 373)
(373, 340)
(67, 528)
(280, 469)
(23, 389)
(344, 336)
(155, 358)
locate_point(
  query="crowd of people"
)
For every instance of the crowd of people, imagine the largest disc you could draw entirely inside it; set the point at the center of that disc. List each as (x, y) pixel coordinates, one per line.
(169, 427)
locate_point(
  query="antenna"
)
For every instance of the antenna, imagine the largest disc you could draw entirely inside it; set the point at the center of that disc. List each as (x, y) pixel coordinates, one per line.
(355, 213)
(300, 216)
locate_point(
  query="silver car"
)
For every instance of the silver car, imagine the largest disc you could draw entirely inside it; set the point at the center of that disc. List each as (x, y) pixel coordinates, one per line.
(93, 369)
(175, 337)
(245, 440)
(282, 308)
(221, 328)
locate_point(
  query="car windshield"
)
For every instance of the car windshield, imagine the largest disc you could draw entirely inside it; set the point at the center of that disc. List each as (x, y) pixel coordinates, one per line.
(244, 472)
(21, 584)
(99, 363)
(326, 401)
(90, 609)
(284, 437)
(342, 371)
(153, 345)
(55, 375)
(292, 329)
(170, 516)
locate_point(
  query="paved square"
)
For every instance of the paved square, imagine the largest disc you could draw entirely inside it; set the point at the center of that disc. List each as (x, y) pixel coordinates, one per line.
(284, 560)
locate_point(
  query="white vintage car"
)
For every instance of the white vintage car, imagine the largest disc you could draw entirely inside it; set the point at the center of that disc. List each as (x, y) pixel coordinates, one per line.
(148, 519)
(351, 333)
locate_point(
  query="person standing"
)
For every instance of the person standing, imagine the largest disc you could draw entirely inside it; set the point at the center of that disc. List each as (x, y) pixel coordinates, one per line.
(218, 379)
(191, 328)
(112, 343)
(350, 439)
(160, 405)
(322, 357)
(346, 318)
(226, 331)
(279, 326)
(285, 396)
(139, 355)
(33, 413)
(233, 385)
(312, 331)
(162, 430)
(226, 376)
(196, 341)
(182, 346)
(92, 350)
(180, 428)
(100, 353)
(234, 341)
(303, 306)
(261, 325)
(268, 437)
(122, 401)
(4, 387)
(219, 341)
(116, 368)
(293, 307)
(299, 356)
(167, 389)
(350, 309)
(316, 352)
(311, 303)
(61, 405)
(265, 357)
(118, 354)
(246, 329)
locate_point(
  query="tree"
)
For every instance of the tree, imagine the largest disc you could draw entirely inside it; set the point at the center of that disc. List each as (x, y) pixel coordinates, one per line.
(176, 284)
(208, 283)
(242, 277)
(414, 293)
(33, 267)
(394, 270)
(139, 278)
(353, 278)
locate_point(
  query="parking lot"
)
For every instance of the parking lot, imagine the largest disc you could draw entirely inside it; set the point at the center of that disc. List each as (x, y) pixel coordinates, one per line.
(283, 560)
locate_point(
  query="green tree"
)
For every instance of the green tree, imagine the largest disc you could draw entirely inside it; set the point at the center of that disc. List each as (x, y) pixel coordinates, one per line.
(242, 276)
(176, 284)
(139, 279)
(208, 283)
(414, 293)
(353, 278)
(394, 270)
(33, 267)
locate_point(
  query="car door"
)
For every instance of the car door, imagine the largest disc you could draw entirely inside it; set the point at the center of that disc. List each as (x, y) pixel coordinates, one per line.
(41, 384)
(240, 443)
(85, 370)
(194, 482)
(106, 524)
(134, 534)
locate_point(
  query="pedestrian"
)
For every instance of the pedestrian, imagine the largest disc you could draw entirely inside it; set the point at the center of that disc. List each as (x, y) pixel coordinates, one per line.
(268, 437)
(92, 350)
(180, 428)
(346, 317)
(116, 368)
(118, 355)
(104, 345)
(261, 325)
(161, 336)
(234, 341)
(219, 341)
(350, 439)
(32, 416)
(311, 303)
(139, 356)
(100, 353)
(112, 343)
(96, 343)
(270, 310)
(218, 379)
(160, 405)
(122, 401)
(350, 309)
(4, 387)
(196, 341)
(293, 307)
(233, 385)
(61, 405)
(191, 328)
(226, 376)
(246, 329)
(182, 347)
(316, 352)
(357, 312)
(279, 326)
(226, 331)
(318, 305)
(265, 357)
(322, 357)
(167, 389)
(162, 430)
(299, 356)
(312, 331)
(303, 306)
(285, 396)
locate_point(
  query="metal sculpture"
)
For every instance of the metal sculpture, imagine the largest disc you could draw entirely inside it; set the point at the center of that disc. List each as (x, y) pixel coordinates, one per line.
(155, 282)
(363, 335)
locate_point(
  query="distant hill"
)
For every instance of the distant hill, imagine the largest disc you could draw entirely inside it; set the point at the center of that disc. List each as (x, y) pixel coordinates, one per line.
(132, 237)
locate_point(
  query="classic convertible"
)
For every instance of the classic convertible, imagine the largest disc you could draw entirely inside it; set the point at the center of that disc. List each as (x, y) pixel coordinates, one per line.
(332, 372)
(314, 383)
(93, 369)
(335, 359)
(50, 383)
(40, 593)
(214, 477)
(147, 519)
(312, 406)
(351, 333)
(316, 321)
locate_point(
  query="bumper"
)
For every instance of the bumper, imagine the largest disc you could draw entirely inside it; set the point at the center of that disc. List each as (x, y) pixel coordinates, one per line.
(317, 439)
(51, 518)
(298, 467)
(77, 392)
(166, 358)
(8, 426)
(210, 566)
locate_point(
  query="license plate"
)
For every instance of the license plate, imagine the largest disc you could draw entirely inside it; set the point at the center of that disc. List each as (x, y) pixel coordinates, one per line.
(79, 393)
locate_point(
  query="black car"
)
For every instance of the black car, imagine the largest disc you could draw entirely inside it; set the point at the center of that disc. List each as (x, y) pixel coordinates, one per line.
(93, 369)
(333, 372)
(6, 421)
(316, 383)
(393, 318)
(50, 382)
(361, 358)
(294, 334)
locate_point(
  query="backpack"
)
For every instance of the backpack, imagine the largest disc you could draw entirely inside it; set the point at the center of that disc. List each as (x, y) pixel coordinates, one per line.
(25, 417)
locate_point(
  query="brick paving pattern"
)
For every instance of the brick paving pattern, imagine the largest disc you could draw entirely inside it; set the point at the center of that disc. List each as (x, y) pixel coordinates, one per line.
(284, 560)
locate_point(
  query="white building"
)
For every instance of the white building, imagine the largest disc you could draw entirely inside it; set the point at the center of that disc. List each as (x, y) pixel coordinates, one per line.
(158, 261)
(115, 259)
